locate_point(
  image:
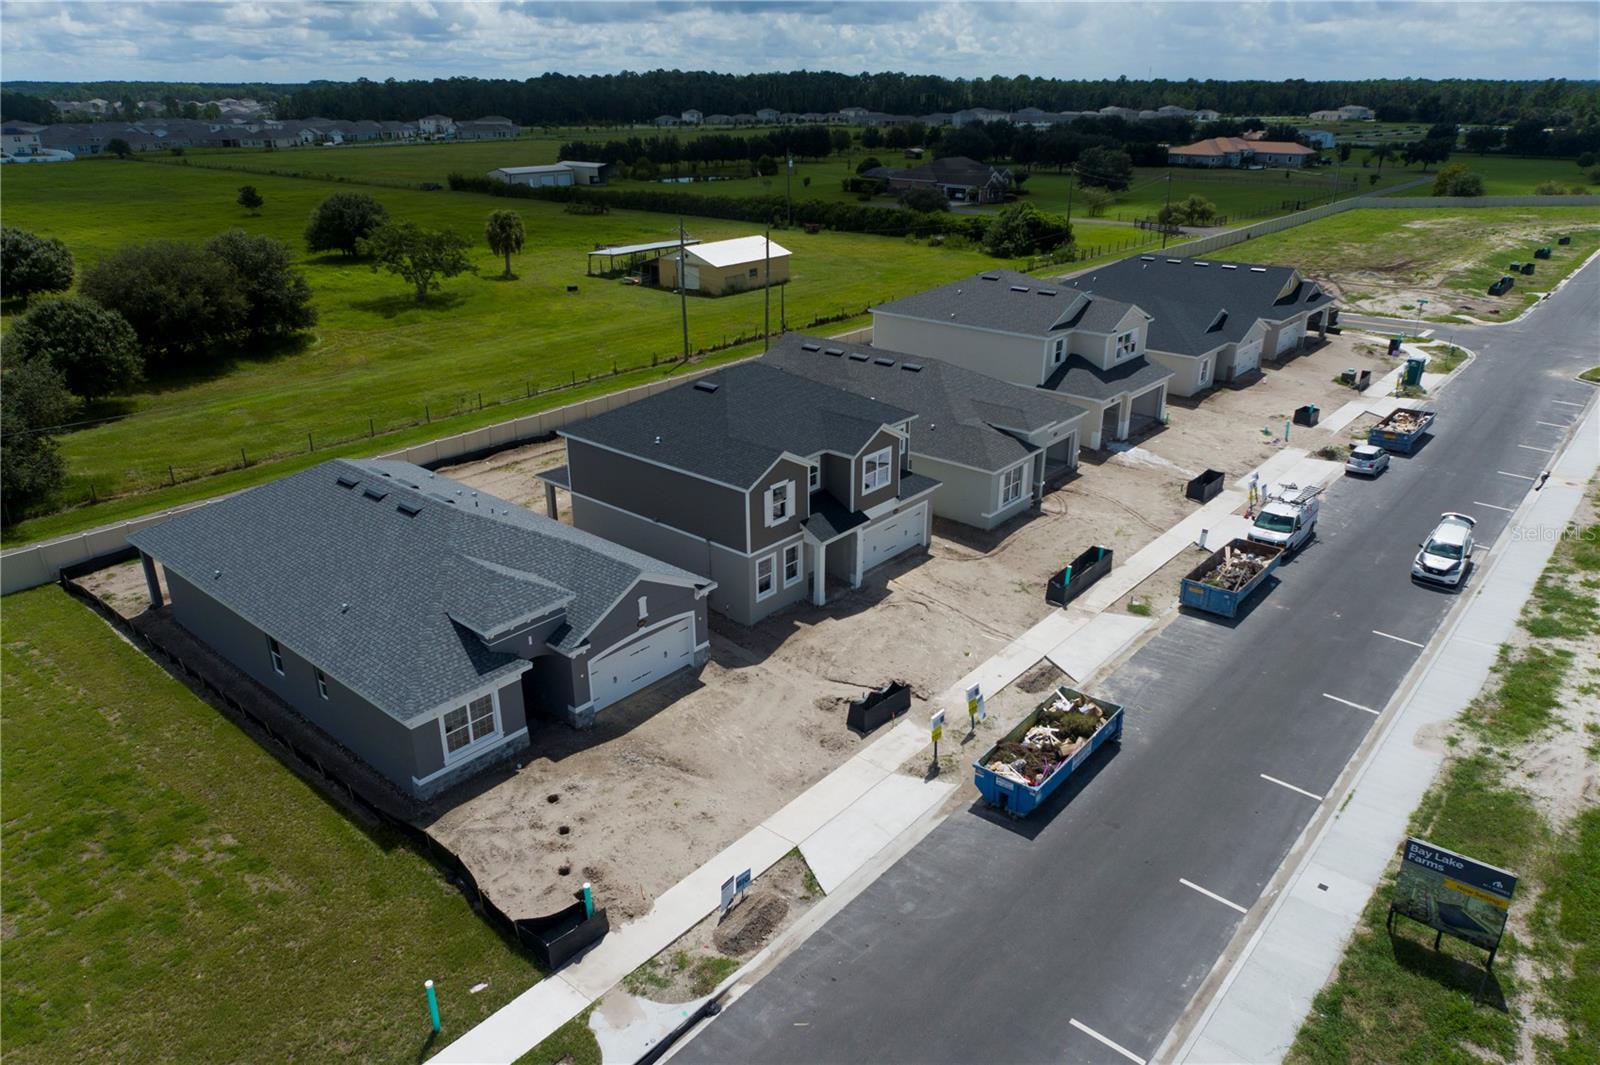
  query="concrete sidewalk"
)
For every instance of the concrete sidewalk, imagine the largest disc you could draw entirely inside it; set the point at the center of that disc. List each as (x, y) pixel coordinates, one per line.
(1266, 996)
(1384, 402)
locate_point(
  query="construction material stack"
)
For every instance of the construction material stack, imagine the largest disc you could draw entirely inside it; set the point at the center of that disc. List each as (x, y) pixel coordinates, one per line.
(1229, 576)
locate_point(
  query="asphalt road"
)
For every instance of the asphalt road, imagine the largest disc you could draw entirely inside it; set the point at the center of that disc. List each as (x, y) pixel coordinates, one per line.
(990, 939)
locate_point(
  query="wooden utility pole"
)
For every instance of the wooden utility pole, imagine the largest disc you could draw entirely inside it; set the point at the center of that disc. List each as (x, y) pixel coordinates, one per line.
(1161, 223)
(766, 312)
(683, 294)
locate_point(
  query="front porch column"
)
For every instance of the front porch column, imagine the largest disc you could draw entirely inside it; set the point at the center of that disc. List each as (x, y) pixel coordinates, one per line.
(1124, 417)
(855, 570)
(819, 575)
(550, 501)
(151, 581)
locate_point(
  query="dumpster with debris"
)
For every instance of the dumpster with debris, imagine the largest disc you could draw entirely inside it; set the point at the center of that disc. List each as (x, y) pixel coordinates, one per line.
(1026, 767)
(1401, 431)
(1222, 583)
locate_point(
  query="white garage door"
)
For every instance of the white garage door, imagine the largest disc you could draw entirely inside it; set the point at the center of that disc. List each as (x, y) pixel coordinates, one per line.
(622, 672)
(1247, 358)
(899, 534)
(1291, 335)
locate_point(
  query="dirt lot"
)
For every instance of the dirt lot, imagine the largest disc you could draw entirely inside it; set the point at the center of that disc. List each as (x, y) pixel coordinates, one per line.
(676, 773)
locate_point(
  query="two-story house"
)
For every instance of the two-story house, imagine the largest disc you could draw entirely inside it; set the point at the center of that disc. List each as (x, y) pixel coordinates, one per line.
(1214, 321)
(764, 481)
(1084, 346)
(993, 446)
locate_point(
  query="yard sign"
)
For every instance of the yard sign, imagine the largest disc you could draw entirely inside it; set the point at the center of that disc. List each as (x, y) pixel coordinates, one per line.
(1453, 894)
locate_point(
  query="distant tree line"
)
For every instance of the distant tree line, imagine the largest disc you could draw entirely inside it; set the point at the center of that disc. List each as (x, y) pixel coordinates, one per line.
(804, 142)
(566, 99)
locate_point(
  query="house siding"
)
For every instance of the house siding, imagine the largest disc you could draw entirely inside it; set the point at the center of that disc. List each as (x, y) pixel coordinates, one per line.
(427, 743)
(665, 601)
(762, 537)
(965, 495)
(883, 439)
(1018, 359)
(782, 597)
(836, 479)
(1186, 371)
(714, 511)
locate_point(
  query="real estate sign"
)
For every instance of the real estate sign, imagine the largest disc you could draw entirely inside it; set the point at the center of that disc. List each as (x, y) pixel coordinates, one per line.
(1453, 894)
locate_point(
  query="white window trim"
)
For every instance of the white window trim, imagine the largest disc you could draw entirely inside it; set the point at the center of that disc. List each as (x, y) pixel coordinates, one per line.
(644, 607)
(771, 560)
(814, 477)
(275, 654)
(884, 460)
(1205, 371)
(476, 747)
(1059, 352)
(1005, 479)
(799, 568)
(322, 684)
(788, 503)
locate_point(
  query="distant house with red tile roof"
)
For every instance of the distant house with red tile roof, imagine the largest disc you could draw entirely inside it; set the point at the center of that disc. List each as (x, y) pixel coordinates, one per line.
(1238, 151)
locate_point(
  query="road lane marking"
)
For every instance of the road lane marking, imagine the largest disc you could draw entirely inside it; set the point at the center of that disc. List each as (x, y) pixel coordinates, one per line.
(1493, 506)
(1518, 476)
(1291, 787)
(1092, 1034)
(1397, 639)
(1347, 702)
(1554, 425)
(1567, 403)
(1546, 450)
(1211, 895)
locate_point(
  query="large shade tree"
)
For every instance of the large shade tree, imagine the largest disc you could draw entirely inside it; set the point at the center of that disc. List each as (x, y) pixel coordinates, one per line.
(94, 350)
(421, 256)
(30, 264)
(340, 222)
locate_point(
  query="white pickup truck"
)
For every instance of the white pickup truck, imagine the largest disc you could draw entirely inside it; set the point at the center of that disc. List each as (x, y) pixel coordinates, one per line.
(1288, 517)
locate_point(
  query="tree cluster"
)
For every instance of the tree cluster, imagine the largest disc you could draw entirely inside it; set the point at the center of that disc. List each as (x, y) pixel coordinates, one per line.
(30, 264)
(708, 149)
(1192, 211)
(1457, 180)
(1021, 229)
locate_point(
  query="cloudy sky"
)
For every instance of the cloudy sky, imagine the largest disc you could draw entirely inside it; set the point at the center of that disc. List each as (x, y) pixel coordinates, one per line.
(276, 40)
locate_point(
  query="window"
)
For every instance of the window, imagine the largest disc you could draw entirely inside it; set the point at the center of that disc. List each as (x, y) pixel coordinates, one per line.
(780, 503)
(753, 271)
(1011, 486)
(1205, 371)
(766, 579)
(1060, 352)
(814, 478)
(644, 607)
(791, 564)
(1127, 344)
(322, 684)
(277, 655)
(466, 725)
(877, 470)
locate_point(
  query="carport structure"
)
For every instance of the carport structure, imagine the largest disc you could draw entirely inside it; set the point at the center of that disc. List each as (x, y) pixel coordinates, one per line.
(630, 256)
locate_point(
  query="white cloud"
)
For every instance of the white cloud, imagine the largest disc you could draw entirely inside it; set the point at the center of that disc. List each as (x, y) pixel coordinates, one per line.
(267, 40)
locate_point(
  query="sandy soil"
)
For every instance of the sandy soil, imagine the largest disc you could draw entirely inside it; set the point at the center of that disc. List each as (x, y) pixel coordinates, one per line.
(121, 587)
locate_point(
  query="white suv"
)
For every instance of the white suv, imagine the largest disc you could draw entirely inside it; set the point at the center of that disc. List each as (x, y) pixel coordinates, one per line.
(1447, 552)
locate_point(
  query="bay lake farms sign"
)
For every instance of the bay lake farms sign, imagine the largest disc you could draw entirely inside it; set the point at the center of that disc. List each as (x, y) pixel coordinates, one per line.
(1453, 894)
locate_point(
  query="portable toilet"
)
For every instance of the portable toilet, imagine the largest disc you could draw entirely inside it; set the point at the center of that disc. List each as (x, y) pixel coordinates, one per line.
(1414, 368)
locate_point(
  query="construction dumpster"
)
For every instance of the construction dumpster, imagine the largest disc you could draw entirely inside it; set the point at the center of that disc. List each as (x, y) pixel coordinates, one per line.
(1088, 567)
(1026, 767)
(1222, 583)
(1401, 431)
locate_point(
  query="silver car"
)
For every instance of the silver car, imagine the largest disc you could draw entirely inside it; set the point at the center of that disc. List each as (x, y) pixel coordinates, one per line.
(1367, 459)
(1447, 552)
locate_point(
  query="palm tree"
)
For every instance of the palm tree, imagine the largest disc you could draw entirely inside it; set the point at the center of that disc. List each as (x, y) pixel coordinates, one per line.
(504, 233)
(1382, 152)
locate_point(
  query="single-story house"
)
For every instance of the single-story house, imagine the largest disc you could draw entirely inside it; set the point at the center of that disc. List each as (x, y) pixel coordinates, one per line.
(481, 130)
(994, 446)
(666, 120)
(419, 622)
(719, 120)
(1238, 151)
(1213, 321)
(1347, 113)
(961, 179)
(767, 114)
(724, 266)
(1084, 346)
(764, 481)
(1318, 138)
(549, 175)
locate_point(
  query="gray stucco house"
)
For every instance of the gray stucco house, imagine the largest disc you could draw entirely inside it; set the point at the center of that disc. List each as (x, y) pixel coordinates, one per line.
(993, 446)
(418, 622)
(1082, 345)
(765, 481)
(1214, 321)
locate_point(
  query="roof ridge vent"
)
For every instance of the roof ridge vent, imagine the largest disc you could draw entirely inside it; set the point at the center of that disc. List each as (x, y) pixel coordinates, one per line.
(810, 347)
(410, 510)
(881, 361)
(375, 494)
(987, 277)
(1174, 260)
(1228, 266)
(1202, 264)
(1045, 291)
(1147, 258)
(912, 367)
(833, 351)
(706, 386)
(344, 480)
(859, 356)
(1019, 288)
(1258, 269)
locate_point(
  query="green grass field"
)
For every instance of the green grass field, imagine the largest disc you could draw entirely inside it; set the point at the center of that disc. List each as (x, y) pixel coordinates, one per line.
(174, 893)
(378, 355)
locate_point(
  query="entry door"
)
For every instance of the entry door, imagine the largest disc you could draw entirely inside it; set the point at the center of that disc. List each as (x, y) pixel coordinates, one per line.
(618, 674)
(691, 278)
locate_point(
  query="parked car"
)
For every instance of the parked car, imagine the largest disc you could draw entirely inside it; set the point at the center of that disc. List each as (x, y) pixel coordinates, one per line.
(1367, 459)
(1447, 552)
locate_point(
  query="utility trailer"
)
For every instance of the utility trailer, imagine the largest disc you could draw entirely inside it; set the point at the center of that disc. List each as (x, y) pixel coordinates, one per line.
(1018, 792)
(1402, 430)
(1229, 576)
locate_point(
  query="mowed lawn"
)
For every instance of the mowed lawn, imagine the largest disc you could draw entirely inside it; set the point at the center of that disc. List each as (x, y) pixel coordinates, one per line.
(1465, 248)
(377, 355)
(173, 893)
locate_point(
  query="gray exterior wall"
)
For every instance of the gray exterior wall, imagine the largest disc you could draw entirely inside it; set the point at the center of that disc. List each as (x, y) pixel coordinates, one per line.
(762, 537)
(690, 503)
(1009, 357)
(842, 558)
(1186, 371)
(552, 688)
(884, 439)
(428, 744)
(971, 496)
(782, 597)
(836, 477)
(665, 601)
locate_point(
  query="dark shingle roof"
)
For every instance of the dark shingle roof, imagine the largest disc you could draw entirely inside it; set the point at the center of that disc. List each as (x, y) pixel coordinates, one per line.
(1078, 377)
(961, 414)
(1014, 303)
(392, 604)
(1197, 308)
(734, 432)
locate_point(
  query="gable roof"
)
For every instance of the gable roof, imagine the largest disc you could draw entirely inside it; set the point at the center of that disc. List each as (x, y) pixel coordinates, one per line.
(949, 170)
(736, 251)
(1214, 146)
(1078, 377)
(396, 603)
(1200, 304)
(1010, 302)
(733, 433)
(963, 416)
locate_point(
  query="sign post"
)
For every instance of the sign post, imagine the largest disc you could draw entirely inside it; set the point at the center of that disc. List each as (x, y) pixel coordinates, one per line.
(936, 730)
(727, 893)
(1454, 895)
(976, 711)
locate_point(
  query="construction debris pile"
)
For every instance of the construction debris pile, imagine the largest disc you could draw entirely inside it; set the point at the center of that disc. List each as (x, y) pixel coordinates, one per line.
(1237, 569)
(1404, 421)
(1062, 729)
